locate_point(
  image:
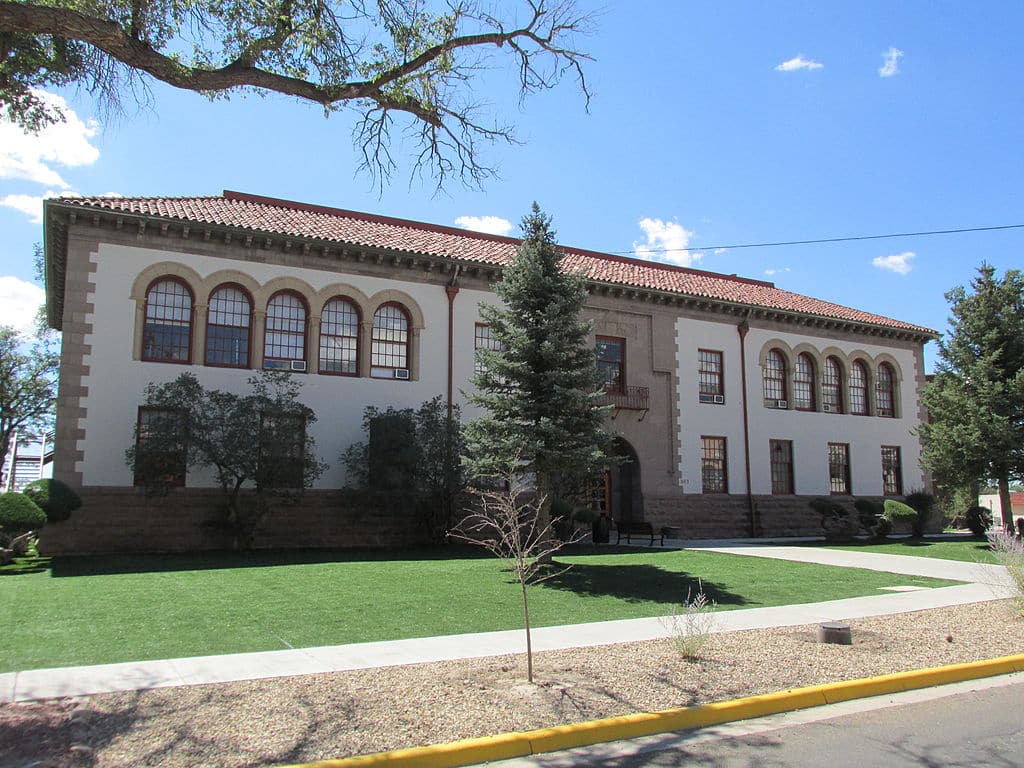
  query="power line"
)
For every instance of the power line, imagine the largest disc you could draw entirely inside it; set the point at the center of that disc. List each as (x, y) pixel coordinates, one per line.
(826, 240)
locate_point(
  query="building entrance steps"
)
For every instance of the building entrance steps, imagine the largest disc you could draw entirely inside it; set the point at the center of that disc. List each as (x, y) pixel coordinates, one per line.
(984, 582)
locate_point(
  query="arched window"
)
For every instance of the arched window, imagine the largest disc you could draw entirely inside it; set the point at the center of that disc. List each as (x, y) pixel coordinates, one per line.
(803, 383)
(774, 380)
(167, 332)
(832, 386)
(284, 343)
(389, 344)
(227, 327)
(339, 338)
(858, 388)
(885, 391)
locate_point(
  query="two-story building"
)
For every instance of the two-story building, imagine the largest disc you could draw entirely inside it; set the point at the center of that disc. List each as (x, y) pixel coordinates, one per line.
(735, 401)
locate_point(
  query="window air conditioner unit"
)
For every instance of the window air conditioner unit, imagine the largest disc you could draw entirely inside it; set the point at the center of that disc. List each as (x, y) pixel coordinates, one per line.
(401, 373)
(781, 404)
(828, 408)
(297, 365)
(719, 399)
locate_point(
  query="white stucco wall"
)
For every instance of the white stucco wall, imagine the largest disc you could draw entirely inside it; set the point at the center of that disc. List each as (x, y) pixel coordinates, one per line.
(116, 381)
(810, 432)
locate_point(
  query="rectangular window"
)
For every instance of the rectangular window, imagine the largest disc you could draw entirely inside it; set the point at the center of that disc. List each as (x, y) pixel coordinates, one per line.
(710, 380)
(892, 471)
(713, 474)
(611, 363)
(161, 446)
(782, 465)
(483, 339)
(282, 450)
(839, 469)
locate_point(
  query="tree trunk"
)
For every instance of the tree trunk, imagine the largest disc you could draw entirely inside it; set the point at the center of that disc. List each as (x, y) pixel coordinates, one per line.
(526, 623)
(1005, 505)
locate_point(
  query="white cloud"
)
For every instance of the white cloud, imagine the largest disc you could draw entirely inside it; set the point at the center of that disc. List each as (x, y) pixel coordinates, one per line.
(19, 302)
(32, 156)
(899, 262)
(719, 251)
(666, 241)
(891, 63)
(780, 270)
(798, 62)
(31, 205)
(492, 225)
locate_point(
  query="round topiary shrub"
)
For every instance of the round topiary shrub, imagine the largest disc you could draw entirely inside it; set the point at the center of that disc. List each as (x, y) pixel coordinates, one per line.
(18, 513)
(55, 498)
(978, 520)
(897, 511)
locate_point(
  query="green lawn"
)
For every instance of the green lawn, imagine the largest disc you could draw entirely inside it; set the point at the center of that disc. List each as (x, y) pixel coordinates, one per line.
(93, 610)
(965, 550)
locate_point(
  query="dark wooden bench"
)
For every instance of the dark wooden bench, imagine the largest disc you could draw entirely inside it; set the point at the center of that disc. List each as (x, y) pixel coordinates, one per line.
(630, 528)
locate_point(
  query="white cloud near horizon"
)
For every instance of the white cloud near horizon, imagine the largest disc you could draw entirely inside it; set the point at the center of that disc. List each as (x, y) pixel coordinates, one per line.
(797, 63)
(33, 157)
(776, 271)
(898, 262)
(666, 242)
(891, 63)
(491, 225)
(19, 303)
(32, 205)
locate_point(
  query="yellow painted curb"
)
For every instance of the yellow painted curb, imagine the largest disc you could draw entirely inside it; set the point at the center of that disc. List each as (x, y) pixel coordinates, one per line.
(509, 745)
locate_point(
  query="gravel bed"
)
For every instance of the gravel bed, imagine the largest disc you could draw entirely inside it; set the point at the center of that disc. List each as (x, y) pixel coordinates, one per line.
(295, 719)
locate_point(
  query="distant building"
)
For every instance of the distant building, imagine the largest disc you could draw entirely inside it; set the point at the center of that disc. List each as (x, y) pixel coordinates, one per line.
(28, 458)
(735, 401)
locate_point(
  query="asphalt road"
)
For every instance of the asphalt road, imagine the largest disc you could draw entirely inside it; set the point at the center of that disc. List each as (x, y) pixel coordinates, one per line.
(969, 728)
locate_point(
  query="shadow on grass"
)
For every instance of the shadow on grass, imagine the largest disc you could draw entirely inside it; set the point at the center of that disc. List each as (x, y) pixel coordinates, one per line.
(638, 583)
(981, 545)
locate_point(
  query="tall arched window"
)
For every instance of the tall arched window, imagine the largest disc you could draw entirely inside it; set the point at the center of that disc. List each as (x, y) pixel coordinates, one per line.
(774, 380)
(167, 332)
(858, 388)
(228, 321)
(284, 343)
(339, 338)
(832, 386)
(803, 383)
(885, 391)
(389, 344)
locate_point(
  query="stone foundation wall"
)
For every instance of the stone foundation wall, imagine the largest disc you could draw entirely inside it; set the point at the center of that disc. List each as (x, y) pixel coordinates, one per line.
(124, 520)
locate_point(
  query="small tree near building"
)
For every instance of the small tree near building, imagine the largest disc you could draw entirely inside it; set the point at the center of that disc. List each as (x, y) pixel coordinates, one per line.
(28, 385)
(258, 444)
(540, 391)
(976, 399)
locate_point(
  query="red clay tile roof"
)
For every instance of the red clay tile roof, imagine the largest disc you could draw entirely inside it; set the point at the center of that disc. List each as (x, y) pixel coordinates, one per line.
(290, 219)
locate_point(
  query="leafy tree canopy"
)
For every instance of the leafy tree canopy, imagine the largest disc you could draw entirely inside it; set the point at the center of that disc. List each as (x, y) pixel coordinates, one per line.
(976, 400)
(28, 385)
(410, 59)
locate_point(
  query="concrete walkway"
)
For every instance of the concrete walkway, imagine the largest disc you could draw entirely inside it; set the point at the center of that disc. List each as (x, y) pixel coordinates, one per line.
(984, 582)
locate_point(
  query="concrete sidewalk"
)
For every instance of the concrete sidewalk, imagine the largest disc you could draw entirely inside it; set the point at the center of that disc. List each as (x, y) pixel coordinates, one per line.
(985, 582)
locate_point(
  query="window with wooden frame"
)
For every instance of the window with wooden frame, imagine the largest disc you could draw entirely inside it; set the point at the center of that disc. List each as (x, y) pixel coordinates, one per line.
(167, 330)
(339, 338)
(611, 363)
(885, 391)
(892, 471)
(710, 376)
(858, 388)
(161, 447)
(389, 342)
(804, 398)
(483, 339)
(781, 458)
(282, 450)
(284, 343)
(832, 386)
(714, 476)
(839, 469)
(228, 321)
(773, 379)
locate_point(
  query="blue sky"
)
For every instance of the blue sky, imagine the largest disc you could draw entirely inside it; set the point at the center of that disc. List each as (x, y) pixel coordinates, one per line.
(712, 124)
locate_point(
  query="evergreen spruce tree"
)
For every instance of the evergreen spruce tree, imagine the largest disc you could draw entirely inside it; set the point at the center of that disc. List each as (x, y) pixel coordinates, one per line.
(976, 400)
(540, 391)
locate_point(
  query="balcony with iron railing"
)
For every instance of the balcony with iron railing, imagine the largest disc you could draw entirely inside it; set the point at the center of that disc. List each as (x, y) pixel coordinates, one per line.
(627, 399)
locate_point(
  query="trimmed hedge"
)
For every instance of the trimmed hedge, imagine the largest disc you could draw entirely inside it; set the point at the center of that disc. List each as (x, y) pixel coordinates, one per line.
(897, 510)
(18, 513)
(55, 498)
(978, 520)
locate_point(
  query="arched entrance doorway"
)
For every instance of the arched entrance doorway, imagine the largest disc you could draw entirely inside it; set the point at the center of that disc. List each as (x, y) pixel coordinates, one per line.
(622, 484)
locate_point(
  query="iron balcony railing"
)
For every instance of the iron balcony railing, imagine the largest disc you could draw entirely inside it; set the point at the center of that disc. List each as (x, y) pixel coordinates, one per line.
(629, 399)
